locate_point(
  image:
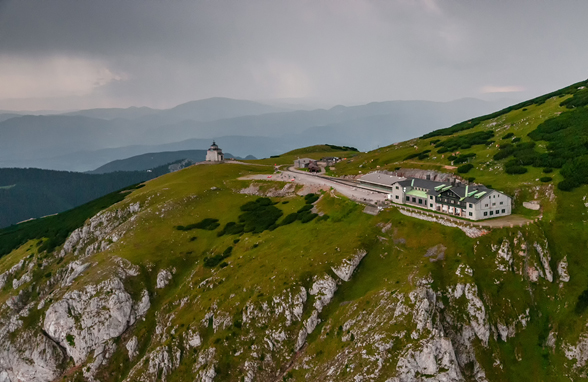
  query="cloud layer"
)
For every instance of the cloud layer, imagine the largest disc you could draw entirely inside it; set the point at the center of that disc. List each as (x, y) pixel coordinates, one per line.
(71, 53)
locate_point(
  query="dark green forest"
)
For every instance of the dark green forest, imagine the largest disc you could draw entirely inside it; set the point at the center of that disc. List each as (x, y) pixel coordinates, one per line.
(32, 193)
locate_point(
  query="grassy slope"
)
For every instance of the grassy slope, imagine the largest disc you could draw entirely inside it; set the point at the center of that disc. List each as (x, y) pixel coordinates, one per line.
(292, 254)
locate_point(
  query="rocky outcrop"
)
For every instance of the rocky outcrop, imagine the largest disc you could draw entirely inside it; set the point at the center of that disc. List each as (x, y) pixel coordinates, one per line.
(84, 320)
(346, 269)
(163, 278)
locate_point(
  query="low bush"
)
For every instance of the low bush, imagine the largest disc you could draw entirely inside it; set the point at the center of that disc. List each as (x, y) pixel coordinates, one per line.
(211, 262)
(308, 217)
(311, 198)
(467, 140)
(232, 228)
(465, 168)
(259, 215)
(325, 217)
(208, 224)
(289, 219)
(548, 170)
(546, 179)
(306, 207)
(515, 140)
(515, 170)
(508, 135)
(582, 302)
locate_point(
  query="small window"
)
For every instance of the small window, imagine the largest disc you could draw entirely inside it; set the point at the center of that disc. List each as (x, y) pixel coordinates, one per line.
(414, 200)
(471, 214)
(431, 197)
(500, 203)
(485, 205)
(491, 213)
(493, 204)
(420, 201)
(503, 211)
(408, 198)
(497, 212)
(430, 205)
(485, 213)
(471, 205)
(397, 187)
(397, 197)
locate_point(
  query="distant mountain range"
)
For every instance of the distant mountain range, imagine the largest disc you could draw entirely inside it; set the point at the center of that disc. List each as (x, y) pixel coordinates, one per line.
(87, 139)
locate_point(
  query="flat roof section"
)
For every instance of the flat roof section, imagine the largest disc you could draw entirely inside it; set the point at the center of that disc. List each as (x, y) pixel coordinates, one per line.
(380, 178)
(417, 193)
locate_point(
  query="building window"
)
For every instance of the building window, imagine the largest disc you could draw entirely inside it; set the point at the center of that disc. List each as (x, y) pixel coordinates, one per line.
(397, 197)
(485, 205)
(500, 203)
(497, 212)
(408, 198)
(493, 204)
(431, 197)
(471, 205)
(485, 213)
(503, 211)
(397, 187)
(431, 205)
(471, 214)
(491, 213)
(414, 200)
(420, 201)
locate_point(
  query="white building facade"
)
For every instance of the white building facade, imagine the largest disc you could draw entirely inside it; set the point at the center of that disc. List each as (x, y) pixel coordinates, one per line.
(214, 154)
(473, 202)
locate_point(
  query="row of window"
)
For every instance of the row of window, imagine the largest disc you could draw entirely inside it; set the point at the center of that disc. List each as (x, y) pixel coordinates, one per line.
(492, 212)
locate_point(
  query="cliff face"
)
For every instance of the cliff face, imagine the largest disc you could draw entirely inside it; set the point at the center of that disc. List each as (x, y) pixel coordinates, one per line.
(350, 297)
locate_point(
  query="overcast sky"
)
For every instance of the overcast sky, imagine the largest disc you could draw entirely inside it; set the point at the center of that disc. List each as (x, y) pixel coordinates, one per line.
(69, 54)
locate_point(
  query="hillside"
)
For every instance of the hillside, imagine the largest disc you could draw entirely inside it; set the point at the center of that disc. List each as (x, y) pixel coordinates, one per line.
(225, 273)
(152, 160)
(32, 193)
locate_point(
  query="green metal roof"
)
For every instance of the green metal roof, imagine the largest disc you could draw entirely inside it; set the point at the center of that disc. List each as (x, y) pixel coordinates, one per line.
(439, 187)
(445, 188)
(417, 193)
(478, 196)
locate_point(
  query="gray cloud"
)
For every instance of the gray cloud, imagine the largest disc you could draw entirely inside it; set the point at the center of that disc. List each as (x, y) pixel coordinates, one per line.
(83, 53)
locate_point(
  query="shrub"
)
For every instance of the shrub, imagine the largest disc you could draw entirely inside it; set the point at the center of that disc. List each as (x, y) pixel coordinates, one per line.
(451, 157)
(515, 169)
(471, 179)
(311, 198)
(568, 184)
(259, 215)
(227, 252)
(211, 262)
(223, 264)
(582, 302)
(308, 217)
(423, 156)
(546, 179)
(232, 228)
(467, 140)
(206, 224)
(442, 150)
(515, 140)
(285, 202)
(291, 218)
(306, 207)
(465, 168)
(508, 135)
(547, 170)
